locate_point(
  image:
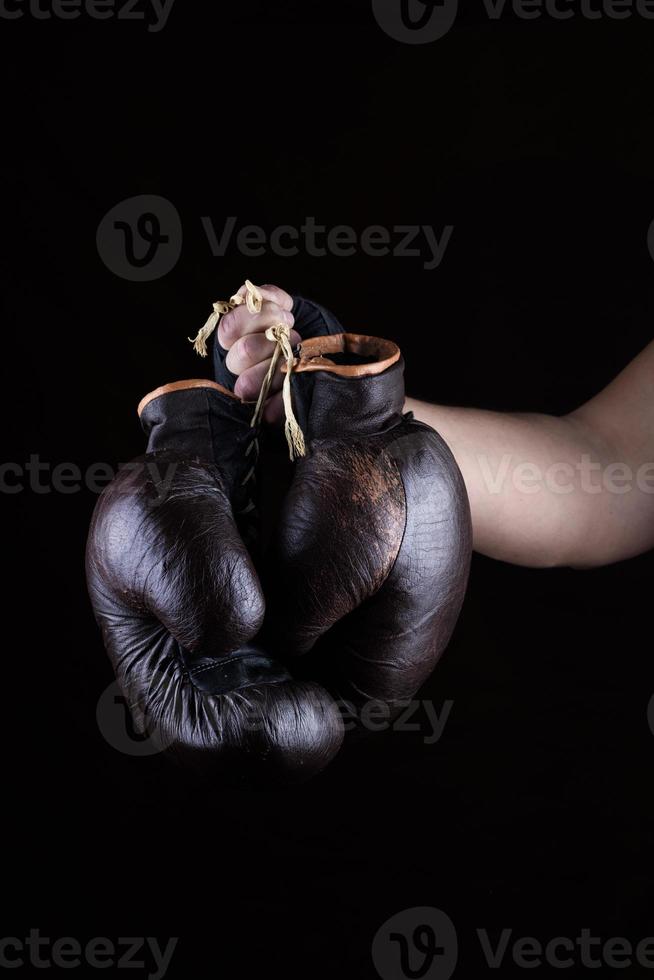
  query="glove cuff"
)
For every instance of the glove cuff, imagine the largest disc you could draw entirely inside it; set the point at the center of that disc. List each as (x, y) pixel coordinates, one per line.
(350, 355)
(181, 386)
(199, 419)
(348, 384)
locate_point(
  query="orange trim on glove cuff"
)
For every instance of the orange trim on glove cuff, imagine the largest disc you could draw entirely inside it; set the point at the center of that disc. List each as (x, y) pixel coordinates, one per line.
(183, 386)
(312, 354)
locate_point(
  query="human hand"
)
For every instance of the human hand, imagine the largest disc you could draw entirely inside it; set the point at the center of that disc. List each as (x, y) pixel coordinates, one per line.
(242, 335)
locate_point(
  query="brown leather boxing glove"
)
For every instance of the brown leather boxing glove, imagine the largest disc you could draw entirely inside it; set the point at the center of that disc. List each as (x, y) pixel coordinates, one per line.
(372, 550)
(180, 604)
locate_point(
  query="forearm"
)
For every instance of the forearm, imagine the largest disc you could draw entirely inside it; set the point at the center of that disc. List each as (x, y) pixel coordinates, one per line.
(547, 491)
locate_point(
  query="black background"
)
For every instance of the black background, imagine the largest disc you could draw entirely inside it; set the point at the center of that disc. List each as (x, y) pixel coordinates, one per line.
(534, 140)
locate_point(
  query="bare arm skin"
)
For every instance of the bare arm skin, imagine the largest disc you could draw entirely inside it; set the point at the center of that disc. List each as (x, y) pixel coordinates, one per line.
(576, 490)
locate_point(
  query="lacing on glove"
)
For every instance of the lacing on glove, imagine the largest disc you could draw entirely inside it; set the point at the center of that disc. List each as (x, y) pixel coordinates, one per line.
(279, 333)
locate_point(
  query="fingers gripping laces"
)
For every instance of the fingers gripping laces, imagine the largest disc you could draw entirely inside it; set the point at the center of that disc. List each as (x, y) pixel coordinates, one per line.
(279, 333)
(253, 300)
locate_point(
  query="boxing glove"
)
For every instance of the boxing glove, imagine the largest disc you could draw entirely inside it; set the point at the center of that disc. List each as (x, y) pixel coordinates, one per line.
(372, 547)
(179, 602)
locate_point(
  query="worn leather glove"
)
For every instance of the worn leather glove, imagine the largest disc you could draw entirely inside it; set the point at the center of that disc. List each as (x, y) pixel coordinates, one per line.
(372, 549)
(179, 602)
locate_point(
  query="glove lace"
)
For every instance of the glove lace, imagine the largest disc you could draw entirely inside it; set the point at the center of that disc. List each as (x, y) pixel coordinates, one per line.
(279, 333)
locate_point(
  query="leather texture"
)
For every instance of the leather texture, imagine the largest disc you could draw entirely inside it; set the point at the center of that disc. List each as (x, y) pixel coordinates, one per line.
(180, 605)
(372, 550)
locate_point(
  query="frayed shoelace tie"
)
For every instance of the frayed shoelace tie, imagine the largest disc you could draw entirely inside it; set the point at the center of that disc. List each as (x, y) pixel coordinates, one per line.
(279, 333)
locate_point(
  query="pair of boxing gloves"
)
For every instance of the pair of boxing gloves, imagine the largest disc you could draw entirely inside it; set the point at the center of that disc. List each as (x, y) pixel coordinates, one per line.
(243, 661)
